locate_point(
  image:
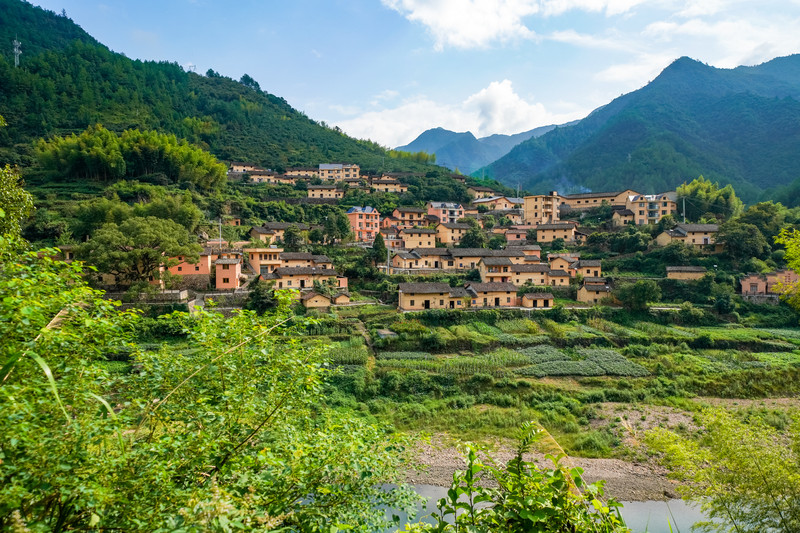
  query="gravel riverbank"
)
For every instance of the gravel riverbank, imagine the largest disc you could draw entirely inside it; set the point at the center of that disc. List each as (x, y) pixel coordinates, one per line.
(625, 481)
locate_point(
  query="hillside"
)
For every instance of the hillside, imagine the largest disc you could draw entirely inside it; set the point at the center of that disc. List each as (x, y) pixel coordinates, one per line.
(68, 81)
(738, 126)
(464, 151)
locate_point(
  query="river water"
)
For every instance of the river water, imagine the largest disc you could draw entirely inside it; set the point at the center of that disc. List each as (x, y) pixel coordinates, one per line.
(649, 516)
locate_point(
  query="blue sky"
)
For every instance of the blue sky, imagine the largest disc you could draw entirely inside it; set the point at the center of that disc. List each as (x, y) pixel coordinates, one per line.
(389, 69)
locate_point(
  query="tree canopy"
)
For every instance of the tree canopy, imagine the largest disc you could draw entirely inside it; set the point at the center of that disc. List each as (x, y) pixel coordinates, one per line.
(100, 154)
(231, 435)
(135, 249)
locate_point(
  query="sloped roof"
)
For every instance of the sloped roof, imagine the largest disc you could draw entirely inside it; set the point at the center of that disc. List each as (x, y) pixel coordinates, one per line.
(424, 288)
(496, 261)
(491, 287)
(686, 269)
(538, 296)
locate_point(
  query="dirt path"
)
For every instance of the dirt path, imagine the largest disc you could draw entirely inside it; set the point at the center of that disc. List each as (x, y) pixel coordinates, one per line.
(625, 481)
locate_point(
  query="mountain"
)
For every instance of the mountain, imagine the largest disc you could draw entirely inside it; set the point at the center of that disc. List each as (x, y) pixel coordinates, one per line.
(68, 81)
(466, 152)
(739, 126)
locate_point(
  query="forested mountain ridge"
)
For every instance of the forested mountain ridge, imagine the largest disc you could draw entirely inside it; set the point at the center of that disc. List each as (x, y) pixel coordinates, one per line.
(465, 152)
(67, 81)
(738, 126)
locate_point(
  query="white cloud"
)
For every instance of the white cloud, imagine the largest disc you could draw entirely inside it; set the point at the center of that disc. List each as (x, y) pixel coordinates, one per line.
(733, 41)
(572, 37)
(610, 7)
(469, 23)
(494, 109)
(637, 72)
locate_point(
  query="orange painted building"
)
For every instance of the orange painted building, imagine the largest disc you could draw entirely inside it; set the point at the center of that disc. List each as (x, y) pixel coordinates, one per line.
(364, 222)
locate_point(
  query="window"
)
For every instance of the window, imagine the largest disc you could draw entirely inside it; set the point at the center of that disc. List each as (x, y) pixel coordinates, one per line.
(180, 268)
(226, 280)
(412, 302)
(226, 267)
(197, 268)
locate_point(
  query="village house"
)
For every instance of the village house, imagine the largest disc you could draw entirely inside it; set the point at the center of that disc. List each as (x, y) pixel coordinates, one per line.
(532, 252)
(315, 300)
(518, 233)
(541, 208)
(338, 171)
(388, 185)
(697, 235)
(476, 191)
(270, 177)
(593, 293)
(499, 203)
(538, 300)
(767, 284)
(194, 275)
(239, 167)
(449, 212)
(558, 278)
(232, 221)
(686, 272)
(409, 216)
(450, 233)
(302, 172)
(263, 260)
(533, 273)
(227, 272)
(391, 237)
(303, 278)
(622, 217)
(272, 232)
(419, 296)
(588, 268)
(468, 258)
(304, 259)
(495, 269)
(558, 230)
(418, 237)
(649, 208)
(364, 222)
(595, 199)
(325, 191)
(492, 294)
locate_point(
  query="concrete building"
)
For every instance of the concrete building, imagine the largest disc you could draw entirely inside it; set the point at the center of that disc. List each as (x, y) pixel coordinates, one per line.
(364, 222)
(541, 208)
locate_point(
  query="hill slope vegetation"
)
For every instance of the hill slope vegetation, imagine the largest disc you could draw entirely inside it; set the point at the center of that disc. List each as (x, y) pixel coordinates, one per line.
(737, 126)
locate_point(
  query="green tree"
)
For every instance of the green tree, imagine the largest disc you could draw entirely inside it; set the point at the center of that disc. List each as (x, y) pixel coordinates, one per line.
(292, 239)
(702, 197)
(528, 497)
(16, 203)
(474, 237)
(261, 298)
(379, 250)
(137, 248)
(232, 435)
(790, 239)
(497, 242)
(743, 241)
(636, 296)
(557, 244)
(744, 474)
(768, 217)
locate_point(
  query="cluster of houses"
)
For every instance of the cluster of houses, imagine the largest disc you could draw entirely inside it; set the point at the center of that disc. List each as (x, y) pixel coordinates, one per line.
(424, 240)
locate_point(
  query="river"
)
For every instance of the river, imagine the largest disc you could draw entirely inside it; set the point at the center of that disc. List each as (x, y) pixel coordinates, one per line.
(650, 516)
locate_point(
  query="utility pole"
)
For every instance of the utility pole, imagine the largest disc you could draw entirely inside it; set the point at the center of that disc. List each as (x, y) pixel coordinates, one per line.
(17, 52)
(220, 234)
(684, 210)
(388, 259)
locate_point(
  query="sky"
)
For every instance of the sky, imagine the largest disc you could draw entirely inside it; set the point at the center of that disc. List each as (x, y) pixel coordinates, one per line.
(387, 70)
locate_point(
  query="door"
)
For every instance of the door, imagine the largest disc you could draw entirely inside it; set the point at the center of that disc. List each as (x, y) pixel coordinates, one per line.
(497, 302)
(426, 304)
